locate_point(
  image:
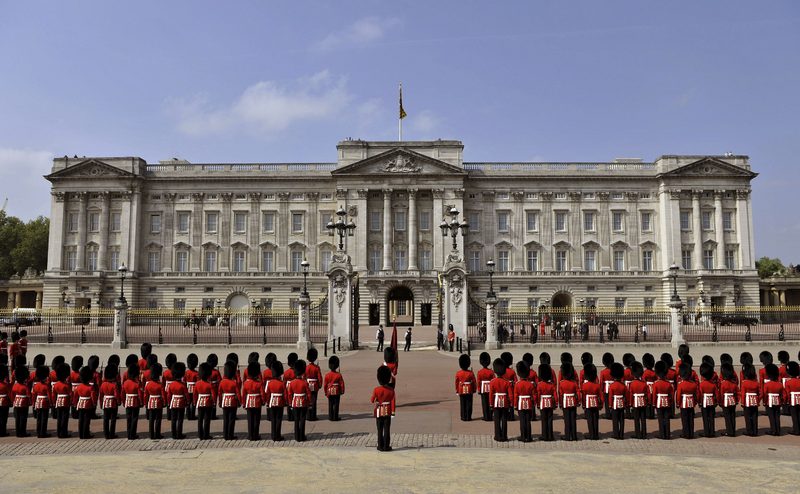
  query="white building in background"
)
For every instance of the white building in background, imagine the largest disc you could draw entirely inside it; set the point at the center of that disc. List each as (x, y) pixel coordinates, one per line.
(194, 235)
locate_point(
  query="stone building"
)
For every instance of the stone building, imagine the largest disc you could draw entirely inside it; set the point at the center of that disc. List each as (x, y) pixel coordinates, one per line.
(234, 235)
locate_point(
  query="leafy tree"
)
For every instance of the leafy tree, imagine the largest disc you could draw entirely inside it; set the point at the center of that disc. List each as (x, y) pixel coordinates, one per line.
(767, 267)
(22, 245)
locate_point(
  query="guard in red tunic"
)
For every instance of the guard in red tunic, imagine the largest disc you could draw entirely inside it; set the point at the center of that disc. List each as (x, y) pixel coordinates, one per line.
(390, 361)
(145, 350)
(178, 400)
(750, 398)
(533, 377)
(21, 400)
(709, 396)
(728, 397)
(155, 399)
(205, 397)
(75, 378)
(774, 397)
(547, 399)
(288, 376)
(671, 377)
(485, 376)
(569, 399)
(638, 397)
(84, 399)
(276, 400)
(109, 397)
(5, 400)
(314, 380)
(465, 387)
(649, 377)
(229, 399)
(606, 380)
(524, 396)
(253, 399)
(23, 342)
(54, 365)
(167, 377)
(62, 398)
(214, 379)
(42, 398)
(686, 397)
(792, 387)
(511, 376)
(783, 358)
(132, 398)
(592, 400)
(501, 397)
(299, 397)
(383, 398)
(617, 395)
(13, 350)
(190, 377)
(764, 357)
(266, 377)
(334, 388)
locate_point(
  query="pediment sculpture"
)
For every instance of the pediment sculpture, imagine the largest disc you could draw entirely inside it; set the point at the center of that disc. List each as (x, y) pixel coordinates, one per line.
(401, 164)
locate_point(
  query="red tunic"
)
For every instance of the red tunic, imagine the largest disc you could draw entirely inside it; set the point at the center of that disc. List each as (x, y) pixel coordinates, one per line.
(384, 399)
(191, 378)
(708, 394)
(266, 376)
(177, 395)
(749, 393)
(485, 376)
(41, 395)
(84, 397)
(649, 376)
(205, 395)
(333, 384)
(774, 394)
(313, 377)
(617, 396)
(728, 393)
(393, 368)
(569, 392)
(229, 394)
(288, 375)
(298, 394)
(686, 394)
(216, 377)
(20, 395)
(142, 365)
(662, 395)
(252, 393)
(465, 382)
(606, 379)
(525, 395)
(132, 396)
(62, 394)
(154, 395)
(276, 394)
(511, 377)
(23, 346)
(109, 395)
(793, 391)
(638, 393)
(546, 395)
(500, 393)
(5, 395)
(592, 394)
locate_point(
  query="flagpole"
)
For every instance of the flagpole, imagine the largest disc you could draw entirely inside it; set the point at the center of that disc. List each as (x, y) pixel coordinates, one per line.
(400, 120)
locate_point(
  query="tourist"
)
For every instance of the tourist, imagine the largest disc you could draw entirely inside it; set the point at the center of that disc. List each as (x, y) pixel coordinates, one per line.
(379, 335)
(407, 346)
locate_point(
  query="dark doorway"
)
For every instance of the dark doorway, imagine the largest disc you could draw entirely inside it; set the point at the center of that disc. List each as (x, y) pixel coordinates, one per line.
(374, 314)
(425, 311)
(400, 303)
(562, 303)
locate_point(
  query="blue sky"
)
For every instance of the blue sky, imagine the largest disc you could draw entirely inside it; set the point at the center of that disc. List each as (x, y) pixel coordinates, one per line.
(516, 81)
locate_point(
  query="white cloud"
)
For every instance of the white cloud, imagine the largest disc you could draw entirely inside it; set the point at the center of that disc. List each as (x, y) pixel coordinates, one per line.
(425, 122)
(266, 107)
(21, 173)
(361, 32)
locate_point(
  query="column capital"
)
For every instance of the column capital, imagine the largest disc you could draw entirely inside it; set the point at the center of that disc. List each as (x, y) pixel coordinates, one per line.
(313, 196)
(459, 193)
(226, 196)
(632, 196)
(718, 195)
(574, 196)
(341, 193)
(60, 196)
(254, 196)
(412, 193)
(362, 193)
(170, 196)
(284, 196)
(696, 194)
(198, 196)
(387, 193)
(548, 196)
(674, 194)
(82, 197)
(438, 193)
(742, 193)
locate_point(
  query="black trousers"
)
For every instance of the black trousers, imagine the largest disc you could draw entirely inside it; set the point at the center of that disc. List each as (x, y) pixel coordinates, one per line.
(794, 411)
(487, 410)
(4, 421)
(41, 422)
(229, 423)
(466, 407)
(607, 414)
(333, 407)
(253, 423)
(132, 417)
(774, 415)
(709, 414)
(500, 424)
(384, 425)
(21, 420)
(204, 415)
(525, 433)
(276, 422)
(593, 422)
(451, 345)
(62, 422)
(300, 423)
(85, 423)
(380, 345)
(191, 411)
(407, 346)
(750, 420)
(109, 423)
(640, 422)
(510, 414)
(312, 409)
(687, 422)
(154, 422)
(547, 424)
(176, 425)
(618, 423)
(664, 415)
(570, 424)
(730, 420)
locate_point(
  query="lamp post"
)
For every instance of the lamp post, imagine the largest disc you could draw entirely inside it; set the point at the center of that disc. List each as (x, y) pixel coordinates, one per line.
(304, 264)
(123, 270)
(673, 273)
(583, 312)
(453, 227)
(490, 266)
(341, 226)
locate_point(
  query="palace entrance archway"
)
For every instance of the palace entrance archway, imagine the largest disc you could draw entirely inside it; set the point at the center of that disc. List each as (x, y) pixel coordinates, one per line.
(400, 302)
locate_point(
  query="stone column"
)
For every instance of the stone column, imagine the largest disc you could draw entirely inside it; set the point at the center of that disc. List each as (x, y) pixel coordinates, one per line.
(387, 229)
(359, 249)
(102, 252)
(168, 231)
(412, 230)
(83, 198)
(135, 213)
(436, 218)
(303, 322)
(39, 299)
(719, 231)
(456, 298)
(283, 223)
(55, 246)
(254, 253)
(546, 229)
(491, 323)
(697, 230)
(18, 298)
(340, 306)
(518, 231)
(120, 339)
(224, 256)
(676, 323)
(196, 254)
(632, 232)
(312, 235)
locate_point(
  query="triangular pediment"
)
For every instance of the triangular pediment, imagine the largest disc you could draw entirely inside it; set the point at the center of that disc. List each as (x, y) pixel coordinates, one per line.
(399, 161)
(91, 168)
(709, 167)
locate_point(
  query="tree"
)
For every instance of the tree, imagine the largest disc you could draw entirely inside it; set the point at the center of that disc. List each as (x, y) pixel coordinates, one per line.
(767, 267)
(22, 245)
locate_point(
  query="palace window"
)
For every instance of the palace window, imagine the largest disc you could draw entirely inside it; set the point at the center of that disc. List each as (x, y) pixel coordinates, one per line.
(708, 220)
(619, 260)
(375, 258)
(730, 259)
(502, 221)
(91, 260)
(268, 261)
(268, 222)
(503, 260)
(211, 222)
(325, 260)
(532, 221)
(590, 260)
(71, 260)
(239, 261)
(296, 261)
(619, 303)
(686, 221)
(617, 224)
(183, 222)
(375, 219)
(155, 223)
(325, 217)
(94, 222)
(211, 261)
(561, 260)
(686, 258)
(116, 221)
(154, 262)
(400, 221)
(588, 221)
(424, 221)
(533, 260)
(182, 261)
(114, 260)
(474, 220)
(727, 221)
(239, 222)
(561, 221)
(297, 222)
(474, 261)
(646, 217)
(647, 260)
(400, 259)
(708, 259)
(72, 222)
(425, 263)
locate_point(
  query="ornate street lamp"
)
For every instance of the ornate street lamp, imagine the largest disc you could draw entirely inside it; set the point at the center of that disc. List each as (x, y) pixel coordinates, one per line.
(673, 273)
(304, 264)
(453, 227)
(123, 270)
(490, 266)
(583, 312)
(342, 226)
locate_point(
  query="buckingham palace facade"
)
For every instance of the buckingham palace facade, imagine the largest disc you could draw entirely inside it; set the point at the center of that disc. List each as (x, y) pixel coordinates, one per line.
(235, 235)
